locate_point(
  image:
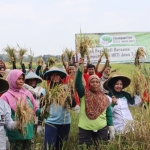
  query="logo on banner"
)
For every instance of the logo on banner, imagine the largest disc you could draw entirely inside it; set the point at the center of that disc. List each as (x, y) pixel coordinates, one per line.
(106, 40)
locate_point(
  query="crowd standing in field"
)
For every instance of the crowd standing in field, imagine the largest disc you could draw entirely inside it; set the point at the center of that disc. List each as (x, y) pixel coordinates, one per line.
(99, 100)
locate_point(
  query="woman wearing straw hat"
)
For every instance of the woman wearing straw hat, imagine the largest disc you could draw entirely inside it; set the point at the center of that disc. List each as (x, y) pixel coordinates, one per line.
(32, 81)
(57, 125)
(16, 93)
(95, 111)
(121, 100)
(5, 115)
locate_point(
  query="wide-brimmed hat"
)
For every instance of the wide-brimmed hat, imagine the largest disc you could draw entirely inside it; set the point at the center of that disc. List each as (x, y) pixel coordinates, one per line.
(4, 86)
(112, 80)
(32, 75)
(48, 73)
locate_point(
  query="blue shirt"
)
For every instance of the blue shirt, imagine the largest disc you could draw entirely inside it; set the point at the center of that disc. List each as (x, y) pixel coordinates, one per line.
(58, 115)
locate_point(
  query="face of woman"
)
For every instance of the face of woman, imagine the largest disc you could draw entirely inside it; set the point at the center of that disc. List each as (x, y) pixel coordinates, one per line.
(118, 86)
(72, 70)
(94, 85)
(32, 82)
(55, 77)
(20, 82)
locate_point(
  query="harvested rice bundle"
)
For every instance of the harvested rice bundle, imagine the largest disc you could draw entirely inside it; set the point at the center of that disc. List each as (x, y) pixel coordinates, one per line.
(24, 115)
(21, 53)
(51, 61)
(58, 94)
(104, 53)
(68, 54)
(83, 43)
(139, 82)
(30, 59)
(140, 54)
(11, 52)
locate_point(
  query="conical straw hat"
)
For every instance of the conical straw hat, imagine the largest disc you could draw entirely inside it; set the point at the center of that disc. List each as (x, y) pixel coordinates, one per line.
(52, 70)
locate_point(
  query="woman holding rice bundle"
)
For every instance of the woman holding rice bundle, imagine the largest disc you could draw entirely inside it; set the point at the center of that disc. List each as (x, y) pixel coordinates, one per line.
(15, 94)
(70, 80)
(57, 125)
(120, 102)
(32, 81)
(95, 111)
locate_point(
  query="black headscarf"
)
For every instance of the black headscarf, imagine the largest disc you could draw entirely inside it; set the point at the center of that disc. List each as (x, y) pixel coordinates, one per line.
(120, 94)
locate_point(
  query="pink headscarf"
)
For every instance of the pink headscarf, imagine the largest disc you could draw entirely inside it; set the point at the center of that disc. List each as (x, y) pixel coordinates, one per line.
(14, 94)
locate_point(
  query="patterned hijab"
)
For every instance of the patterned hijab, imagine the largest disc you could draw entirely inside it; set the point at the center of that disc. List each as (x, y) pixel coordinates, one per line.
(95, 103)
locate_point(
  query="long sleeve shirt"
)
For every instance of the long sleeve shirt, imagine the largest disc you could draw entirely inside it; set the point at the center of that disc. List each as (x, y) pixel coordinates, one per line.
(105, 119)
(5, 121)
(122, 117)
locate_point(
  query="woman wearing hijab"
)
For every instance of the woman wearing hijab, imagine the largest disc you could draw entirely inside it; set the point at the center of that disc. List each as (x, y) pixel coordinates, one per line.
(95, 111)
(32, 80)
(16, 92)
(57, 125)
(120, 102)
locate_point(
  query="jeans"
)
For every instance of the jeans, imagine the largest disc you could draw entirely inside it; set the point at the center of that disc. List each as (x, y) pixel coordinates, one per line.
(55, 135)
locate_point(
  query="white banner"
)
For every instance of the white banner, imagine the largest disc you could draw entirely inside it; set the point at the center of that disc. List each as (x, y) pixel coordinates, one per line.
(116, 54)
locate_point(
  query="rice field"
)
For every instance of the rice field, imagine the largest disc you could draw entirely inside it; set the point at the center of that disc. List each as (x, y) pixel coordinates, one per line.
(137, 140)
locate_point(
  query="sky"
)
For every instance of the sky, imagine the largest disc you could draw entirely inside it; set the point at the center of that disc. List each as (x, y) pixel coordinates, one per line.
(49, 26)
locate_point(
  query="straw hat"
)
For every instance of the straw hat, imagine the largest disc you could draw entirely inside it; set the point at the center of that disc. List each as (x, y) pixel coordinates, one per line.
(32, 75)
(48, 73)
(4, 86)
(112, 80)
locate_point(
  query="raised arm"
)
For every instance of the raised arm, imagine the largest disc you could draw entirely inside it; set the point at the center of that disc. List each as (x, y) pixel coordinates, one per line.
(105, 65)
(78, 82)
(97, 65)
(64, 63)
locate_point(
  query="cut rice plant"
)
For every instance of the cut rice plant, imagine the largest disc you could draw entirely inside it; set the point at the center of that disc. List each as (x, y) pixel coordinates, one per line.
(69, 54)
(11, 53)
(21, 53)
(31, 55)
(83, 43)
(139, 82)
(51, 61)
(24, 115)
(140, 54)
(57, 95)
(104, 53)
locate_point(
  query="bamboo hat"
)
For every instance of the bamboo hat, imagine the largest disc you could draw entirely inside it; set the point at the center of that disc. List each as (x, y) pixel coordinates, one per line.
(54, 69)
(32, 75)
(112, 80)
(4, 86)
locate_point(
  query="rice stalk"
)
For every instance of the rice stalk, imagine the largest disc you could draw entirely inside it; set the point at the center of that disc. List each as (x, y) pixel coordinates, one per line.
(11, 53)
(51, 61)
(140, 54)
(58, 95)
(68, 53)
(104, 53)
(31, 55)
(21, 53)
(83, 43)
(24, 115)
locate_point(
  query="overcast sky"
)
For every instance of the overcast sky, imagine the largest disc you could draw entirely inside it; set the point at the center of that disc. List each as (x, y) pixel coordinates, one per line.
(49, 26)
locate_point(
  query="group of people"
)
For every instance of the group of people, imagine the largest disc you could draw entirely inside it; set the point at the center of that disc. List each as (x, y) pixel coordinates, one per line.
(102, 105)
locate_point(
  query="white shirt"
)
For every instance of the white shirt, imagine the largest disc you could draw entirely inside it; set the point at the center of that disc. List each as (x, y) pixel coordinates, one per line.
(122, 117)
(5, 120)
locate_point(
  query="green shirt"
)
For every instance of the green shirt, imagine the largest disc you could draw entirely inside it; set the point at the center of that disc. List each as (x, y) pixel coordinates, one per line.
(105, 119)
(29, 128)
